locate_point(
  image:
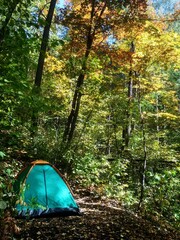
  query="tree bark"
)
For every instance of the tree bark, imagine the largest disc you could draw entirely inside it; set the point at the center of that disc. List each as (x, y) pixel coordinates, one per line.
(44, 44)
(143, 173)
(72, 118)
(126, 133)
(39, 72)
(127, 129)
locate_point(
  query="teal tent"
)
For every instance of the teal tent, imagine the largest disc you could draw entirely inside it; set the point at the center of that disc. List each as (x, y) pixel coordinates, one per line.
(42, 192)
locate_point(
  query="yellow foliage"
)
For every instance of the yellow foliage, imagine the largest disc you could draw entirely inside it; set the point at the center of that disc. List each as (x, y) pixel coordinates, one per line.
(168, 116)
(52, 64)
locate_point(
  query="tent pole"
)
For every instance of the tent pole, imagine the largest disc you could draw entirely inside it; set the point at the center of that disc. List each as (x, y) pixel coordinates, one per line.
(45, 188)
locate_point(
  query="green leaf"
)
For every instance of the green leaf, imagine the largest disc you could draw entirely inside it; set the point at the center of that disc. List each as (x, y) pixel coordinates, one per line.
(3, 204)
(2, 154)
(8, 171)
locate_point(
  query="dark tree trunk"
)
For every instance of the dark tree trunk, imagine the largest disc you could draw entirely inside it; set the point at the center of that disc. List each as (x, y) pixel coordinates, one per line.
(44, 44)
(143, 173)
(126, 133)
(72, 119)
(39, 72)
(127, 128)
(71, 123)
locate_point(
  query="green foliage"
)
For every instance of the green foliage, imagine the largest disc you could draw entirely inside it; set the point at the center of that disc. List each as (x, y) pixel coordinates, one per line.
(7, 177)
(2, 154)
(163, 195)
(108, 177)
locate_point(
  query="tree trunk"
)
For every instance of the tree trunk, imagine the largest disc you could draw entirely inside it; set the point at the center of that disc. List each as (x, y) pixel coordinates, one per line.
(44, 44)
(39, 72)
(127, 128)
(143, 173)
(71, 123)
(126, 133)
(72, 119)
(157, 117)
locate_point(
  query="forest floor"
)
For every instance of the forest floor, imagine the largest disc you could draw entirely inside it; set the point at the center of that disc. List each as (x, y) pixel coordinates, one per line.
(100, 220)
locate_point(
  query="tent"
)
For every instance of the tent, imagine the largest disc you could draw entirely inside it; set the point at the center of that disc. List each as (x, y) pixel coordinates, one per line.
(42, 192)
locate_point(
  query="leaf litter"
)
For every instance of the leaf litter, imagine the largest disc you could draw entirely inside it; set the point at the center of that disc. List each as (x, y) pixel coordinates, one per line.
(99, 221)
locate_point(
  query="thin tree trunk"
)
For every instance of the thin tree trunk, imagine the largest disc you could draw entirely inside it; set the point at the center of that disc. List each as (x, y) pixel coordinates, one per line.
(126, 133)
(72, 119)
(127, 129)
(157, 117)
(44, 44)
(71, 123)
(143, 173)
(39, 72)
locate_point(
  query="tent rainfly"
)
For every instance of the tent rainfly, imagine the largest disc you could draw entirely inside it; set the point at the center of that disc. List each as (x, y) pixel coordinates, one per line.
(42, 192)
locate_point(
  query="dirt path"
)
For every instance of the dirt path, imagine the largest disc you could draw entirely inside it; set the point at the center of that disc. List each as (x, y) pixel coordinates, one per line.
(98, 221)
